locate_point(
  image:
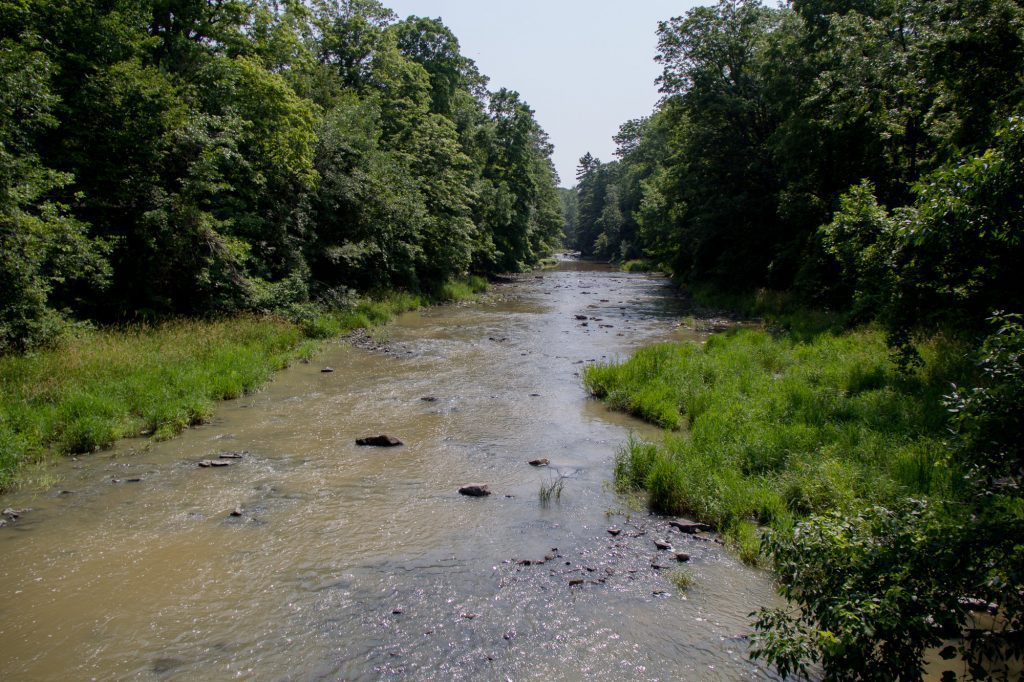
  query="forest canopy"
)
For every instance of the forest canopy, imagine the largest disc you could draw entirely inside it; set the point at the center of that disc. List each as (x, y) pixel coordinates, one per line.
(166, 157)
(862, 153)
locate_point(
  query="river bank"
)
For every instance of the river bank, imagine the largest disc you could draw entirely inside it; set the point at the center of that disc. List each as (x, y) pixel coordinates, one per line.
(153, 381)
(771, 428)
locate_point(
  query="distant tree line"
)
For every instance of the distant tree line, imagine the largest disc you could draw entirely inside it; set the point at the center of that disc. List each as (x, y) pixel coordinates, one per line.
(866, 156)
(208, 156)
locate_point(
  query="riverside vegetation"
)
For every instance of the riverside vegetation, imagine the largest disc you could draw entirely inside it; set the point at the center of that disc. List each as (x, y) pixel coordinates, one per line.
(777, 428)
(97, 386)
(857, 166)
(162, 159)
(885, 497)
(251, 160)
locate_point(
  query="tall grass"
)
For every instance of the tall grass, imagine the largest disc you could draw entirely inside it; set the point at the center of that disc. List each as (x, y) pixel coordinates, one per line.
(103, 385)
(639, 265)
(778, 428)
(100, 386)
(458, 290)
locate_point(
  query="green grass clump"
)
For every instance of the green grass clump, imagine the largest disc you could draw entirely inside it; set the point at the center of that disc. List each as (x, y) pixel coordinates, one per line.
(103, 385)
(779, 428)
(682, 578)
(638, 265)
(457, 290)
(552, 490)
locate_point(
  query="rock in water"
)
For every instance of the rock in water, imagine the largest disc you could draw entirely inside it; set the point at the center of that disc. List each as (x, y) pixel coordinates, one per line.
(380, 441)
(690, 527)
(474, 490)
(539, 462)
(661, 544)
(208, 463)
(327, 370)
(682, 557)
(614, 531)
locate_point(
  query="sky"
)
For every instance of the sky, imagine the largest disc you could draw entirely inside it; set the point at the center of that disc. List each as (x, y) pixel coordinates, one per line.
(584, 66)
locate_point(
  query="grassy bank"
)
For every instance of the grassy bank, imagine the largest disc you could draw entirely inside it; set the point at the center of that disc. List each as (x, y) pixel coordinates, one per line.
(766, 429)
(102, 385)
(639, 265)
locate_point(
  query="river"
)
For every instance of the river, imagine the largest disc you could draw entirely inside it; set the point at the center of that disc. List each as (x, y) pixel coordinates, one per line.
(350, 562)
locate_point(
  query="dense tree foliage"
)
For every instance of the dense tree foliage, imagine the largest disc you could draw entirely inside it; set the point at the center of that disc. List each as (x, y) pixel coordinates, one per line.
(770, 117)
(183, 156)
(866, 156)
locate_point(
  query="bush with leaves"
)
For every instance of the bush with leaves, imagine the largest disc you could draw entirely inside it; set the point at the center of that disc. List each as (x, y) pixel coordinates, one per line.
(46, 256)
(875, 590)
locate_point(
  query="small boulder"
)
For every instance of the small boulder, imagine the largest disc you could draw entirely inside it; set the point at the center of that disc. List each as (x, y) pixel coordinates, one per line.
(380, 441)
(474, 490)
(327, 370)
(539, 462)
(661, 544)
(613, 531)
(682, 557)
(689, 527)
(237, 511)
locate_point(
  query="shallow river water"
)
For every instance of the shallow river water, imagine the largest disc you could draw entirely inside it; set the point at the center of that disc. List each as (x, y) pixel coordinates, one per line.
(365, 563)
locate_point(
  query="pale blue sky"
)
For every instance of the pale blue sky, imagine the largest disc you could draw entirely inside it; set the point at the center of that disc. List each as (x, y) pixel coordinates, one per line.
(585, 66)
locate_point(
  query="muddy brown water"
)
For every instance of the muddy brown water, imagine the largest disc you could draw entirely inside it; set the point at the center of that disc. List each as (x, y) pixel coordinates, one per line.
(366, 563)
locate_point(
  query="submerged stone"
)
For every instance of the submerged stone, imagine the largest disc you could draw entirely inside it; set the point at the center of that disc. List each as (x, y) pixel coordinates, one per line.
(474, 490)
(380, 441)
